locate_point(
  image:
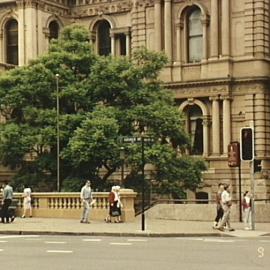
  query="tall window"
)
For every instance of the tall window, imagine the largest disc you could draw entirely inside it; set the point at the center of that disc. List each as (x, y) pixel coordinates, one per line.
(122, 43)
(195, 129)
(53, 30)
(12, 42)
(104, 40)
(195, 36)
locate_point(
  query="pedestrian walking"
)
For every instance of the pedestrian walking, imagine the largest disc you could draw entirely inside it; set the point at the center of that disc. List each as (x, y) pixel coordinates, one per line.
(226, 203)
(87, 198)
(7, 200)
(247, 204)
(118, 204)
(27, 206)
(109, 217)
(219, 214)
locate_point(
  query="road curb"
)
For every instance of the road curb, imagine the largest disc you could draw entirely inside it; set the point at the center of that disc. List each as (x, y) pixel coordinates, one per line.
(125, 234)
(117, 234)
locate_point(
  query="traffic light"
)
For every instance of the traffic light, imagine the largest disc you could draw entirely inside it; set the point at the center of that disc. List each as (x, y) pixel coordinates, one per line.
(247, 144)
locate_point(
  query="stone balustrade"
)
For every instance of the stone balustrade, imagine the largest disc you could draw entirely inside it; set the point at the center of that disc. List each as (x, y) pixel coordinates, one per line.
(69, 205)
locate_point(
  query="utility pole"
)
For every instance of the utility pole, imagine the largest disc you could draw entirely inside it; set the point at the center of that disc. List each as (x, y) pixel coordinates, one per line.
(57, 133)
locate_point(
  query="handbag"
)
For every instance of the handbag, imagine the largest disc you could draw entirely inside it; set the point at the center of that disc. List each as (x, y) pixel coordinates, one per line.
(115, 213)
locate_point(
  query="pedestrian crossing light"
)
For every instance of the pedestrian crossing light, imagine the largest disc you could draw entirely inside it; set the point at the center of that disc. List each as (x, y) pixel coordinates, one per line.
(247, 144)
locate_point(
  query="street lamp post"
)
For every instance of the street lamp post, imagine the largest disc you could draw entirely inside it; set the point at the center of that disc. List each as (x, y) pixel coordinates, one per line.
(143, 184)
(57, 133)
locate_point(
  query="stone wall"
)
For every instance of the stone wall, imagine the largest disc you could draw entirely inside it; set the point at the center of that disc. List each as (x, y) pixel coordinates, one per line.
(203, 212)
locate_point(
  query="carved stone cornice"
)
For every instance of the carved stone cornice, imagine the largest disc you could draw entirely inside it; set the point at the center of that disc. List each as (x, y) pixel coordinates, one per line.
(96, 9)
(8, 5)
(30, 3)
(54, 9)
(214, 98)
(196, 92)
(120, 30)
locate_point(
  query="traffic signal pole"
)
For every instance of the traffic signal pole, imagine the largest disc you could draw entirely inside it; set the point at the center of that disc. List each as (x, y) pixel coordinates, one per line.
(252, 185)
(247, 153)
(240, 193)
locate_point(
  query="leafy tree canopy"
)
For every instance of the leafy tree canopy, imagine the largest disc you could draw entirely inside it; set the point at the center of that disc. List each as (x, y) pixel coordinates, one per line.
(102, 99)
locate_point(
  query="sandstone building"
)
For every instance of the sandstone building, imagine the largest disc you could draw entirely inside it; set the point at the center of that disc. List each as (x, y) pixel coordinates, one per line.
(219, 63)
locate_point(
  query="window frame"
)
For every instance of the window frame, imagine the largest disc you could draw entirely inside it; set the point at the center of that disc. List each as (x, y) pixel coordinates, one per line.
(190, 37)
(11, 50)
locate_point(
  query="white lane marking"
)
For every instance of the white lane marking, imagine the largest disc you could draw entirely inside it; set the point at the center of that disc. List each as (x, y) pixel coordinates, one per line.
(33, 239)
(188, 238)
(137, 240)
(121, 244)
(3, 241)
(91, 240)
(18, 236)
(59, 251)
(55, 242)
(219, 240)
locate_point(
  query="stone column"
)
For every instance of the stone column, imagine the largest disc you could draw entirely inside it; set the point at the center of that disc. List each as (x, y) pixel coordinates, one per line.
(214, 29)
(179, 28)
(92, 39)
(168, 28)
(225, 27)
(204, 24)
(215, 125)
(226, 123)
(47, 36)
(128, 44)
(158, 25)
(205, 137)
(31, 30)
(112, 44)
(2, 49)
(21, 34)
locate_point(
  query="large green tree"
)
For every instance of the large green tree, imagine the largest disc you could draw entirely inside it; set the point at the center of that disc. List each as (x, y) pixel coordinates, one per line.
(102, 99)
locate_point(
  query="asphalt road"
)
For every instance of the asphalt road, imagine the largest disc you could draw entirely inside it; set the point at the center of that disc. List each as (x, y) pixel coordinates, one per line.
(122, 253)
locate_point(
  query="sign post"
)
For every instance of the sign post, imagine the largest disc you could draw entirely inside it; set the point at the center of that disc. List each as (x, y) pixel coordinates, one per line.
(142, 139)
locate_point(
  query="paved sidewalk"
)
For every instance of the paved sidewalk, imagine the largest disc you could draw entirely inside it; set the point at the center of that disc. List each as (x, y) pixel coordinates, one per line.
(154, 227)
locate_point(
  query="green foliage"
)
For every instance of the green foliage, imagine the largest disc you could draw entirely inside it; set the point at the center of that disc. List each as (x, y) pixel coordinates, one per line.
(101, 100)
(72, 184)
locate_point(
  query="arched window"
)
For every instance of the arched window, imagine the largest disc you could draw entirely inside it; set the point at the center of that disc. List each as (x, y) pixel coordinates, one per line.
(53, 30)
(195, 36)
(12, 42)
(195, 129)
(103, 37)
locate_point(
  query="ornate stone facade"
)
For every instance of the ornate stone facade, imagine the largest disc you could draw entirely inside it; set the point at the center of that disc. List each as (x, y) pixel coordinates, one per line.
(224, 81)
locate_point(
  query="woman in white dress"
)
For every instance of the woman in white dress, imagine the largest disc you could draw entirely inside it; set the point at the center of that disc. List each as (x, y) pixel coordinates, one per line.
(27, 202)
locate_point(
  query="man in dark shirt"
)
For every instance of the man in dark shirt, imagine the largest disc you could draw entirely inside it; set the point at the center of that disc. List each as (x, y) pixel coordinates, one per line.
(7, 199)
